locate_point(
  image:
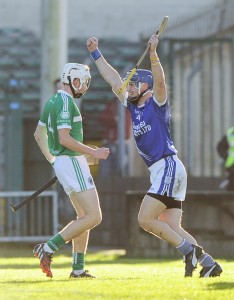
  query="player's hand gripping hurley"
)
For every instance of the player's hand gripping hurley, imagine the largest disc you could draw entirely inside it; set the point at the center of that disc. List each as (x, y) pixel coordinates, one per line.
(159, 32)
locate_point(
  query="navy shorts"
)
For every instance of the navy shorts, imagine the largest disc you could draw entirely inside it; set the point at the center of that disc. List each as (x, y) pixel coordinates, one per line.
(170, 202)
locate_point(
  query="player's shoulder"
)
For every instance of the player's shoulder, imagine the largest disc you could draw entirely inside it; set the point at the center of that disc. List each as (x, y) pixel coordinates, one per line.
(163, 103)
(63, 101)
(62, 96)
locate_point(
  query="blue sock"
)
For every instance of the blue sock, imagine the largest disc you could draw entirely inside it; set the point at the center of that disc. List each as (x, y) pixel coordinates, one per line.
(206, 260)
(185, 247)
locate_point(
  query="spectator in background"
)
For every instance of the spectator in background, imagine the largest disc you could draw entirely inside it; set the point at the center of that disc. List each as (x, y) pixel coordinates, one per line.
(109, 119)
(57, 85)
(225, 149)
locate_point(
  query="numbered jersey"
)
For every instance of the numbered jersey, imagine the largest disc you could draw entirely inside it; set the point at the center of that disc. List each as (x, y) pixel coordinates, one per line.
(151, 129)
(61, 112)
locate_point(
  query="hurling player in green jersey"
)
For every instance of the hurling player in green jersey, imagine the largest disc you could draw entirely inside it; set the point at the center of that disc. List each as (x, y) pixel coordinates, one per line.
(59, 134)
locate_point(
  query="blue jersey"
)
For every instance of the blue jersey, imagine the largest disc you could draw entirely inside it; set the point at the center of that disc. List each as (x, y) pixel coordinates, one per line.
(151, 130)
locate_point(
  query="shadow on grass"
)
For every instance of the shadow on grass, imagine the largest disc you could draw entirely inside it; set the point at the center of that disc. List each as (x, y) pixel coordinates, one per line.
(213, 286)
(98, 257)
(221, 285)
(50, 280)
(58, 265)
(29, 281)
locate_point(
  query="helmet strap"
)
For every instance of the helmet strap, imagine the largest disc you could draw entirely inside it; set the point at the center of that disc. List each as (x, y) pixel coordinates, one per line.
(135, 100)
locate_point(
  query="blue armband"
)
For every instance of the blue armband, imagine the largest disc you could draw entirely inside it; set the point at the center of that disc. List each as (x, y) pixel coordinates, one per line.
(95, 54)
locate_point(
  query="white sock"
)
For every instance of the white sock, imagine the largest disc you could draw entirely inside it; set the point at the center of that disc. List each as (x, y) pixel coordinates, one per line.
(78, 272)
(47, 249)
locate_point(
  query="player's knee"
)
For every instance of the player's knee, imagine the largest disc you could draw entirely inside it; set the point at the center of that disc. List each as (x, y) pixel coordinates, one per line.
(98, 219)
(178, 229)
(95, 219)
(144, 222)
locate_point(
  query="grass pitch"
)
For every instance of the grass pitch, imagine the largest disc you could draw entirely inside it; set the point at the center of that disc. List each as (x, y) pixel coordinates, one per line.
(118, 278)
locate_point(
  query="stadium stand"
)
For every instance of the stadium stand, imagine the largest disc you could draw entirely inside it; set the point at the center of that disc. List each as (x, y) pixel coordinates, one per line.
(121, 53)
(20, 59)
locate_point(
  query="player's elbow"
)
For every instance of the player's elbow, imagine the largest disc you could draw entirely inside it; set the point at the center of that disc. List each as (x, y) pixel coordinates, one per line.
(40, 133)
(37, 135)
(64, 137)
(63, 140)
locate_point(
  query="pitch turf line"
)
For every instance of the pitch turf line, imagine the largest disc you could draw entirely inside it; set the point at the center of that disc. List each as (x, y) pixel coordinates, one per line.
(119, 278)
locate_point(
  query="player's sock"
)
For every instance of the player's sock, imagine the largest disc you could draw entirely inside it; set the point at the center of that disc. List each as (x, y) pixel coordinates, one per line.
(206, 260)
(47, 249)
(56, 242)
(184, 247)
(78, 263)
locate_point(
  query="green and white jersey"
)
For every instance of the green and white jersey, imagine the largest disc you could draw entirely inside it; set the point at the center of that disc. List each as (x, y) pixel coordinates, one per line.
(61, 112)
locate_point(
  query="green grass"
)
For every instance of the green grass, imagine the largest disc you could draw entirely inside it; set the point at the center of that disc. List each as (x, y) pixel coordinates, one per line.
(118, 278)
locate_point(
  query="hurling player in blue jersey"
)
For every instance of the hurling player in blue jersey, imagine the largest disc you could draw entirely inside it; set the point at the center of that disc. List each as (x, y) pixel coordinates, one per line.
(161, 209)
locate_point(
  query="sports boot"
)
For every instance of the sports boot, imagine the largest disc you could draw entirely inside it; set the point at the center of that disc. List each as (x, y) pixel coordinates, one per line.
(191, 260)
(212, 271)
(45, 259)
(85, 274)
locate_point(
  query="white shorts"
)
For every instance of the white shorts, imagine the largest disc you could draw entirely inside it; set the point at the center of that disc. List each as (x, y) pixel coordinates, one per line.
(168, 177)
(73, 173)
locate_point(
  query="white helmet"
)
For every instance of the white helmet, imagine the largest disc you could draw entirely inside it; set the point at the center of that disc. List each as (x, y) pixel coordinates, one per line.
(72, 71)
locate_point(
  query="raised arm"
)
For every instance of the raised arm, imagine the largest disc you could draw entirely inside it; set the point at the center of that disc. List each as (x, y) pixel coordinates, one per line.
(110, 75)
(159, 87)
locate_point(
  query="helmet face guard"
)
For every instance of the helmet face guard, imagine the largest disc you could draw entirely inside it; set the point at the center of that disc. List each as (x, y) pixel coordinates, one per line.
(141, 76)
(72, 71)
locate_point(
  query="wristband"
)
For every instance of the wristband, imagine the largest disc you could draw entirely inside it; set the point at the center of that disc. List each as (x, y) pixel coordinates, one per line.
(95, 54)
(154, 58)
(155, 63)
